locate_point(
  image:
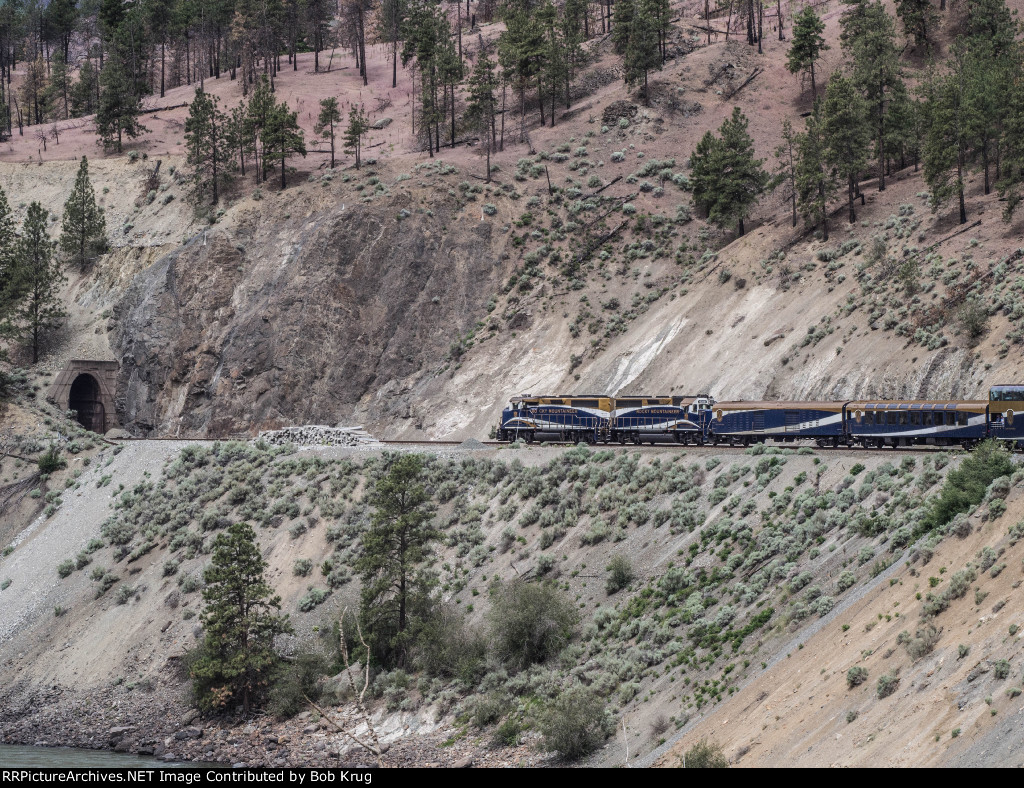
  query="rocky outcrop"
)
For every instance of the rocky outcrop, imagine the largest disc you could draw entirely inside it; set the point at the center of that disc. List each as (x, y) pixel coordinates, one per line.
(293, 321)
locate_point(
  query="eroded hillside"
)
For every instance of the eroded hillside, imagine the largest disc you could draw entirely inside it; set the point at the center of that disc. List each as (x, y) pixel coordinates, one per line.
(734, 560)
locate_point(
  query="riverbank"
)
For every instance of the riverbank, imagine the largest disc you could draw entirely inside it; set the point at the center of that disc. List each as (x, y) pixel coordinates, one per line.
(15, 756)
(156, 721)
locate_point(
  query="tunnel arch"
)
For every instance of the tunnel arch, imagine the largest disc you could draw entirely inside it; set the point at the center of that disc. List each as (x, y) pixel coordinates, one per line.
(87, 387)
(86, 399)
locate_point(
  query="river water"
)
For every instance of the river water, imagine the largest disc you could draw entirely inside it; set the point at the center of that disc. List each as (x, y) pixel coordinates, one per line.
(13, 756)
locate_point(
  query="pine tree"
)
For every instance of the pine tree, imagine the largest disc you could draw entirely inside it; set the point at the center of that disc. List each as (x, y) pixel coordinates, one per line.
(869, 38)
(57, 94)
(845, 132)
(358, 126)
(624, 12)
(395, 549)
(8, 241)
(390, 22)
(1011, 181)
(522, 53)
(240, 622)
(786, 172)
(281, 138)
(727, 180)
(37, 280)
(903, 130)
(949, 132)
(555, 66)
(118, 113)
(808, 44)
(420, 35)
(205, 145)
(261, 107)
(239, 138)
(33, 91)
(574, 33)
(83, 90)
(480, 110)
(84, 230)
(642, 54)
(995, 62)
(919, 19)
(814, 182)
(329, 118)
(989, 24)
(61, 20)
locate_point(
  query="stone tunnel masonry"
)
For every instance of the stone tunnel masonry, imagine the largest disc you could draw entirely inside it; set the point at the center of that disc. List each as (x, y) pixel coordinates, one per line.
(88, 387)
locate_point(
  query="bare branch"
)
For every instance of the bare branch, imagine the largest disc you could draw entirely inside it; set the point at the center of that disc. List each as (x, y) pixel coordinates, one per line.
(375, 748)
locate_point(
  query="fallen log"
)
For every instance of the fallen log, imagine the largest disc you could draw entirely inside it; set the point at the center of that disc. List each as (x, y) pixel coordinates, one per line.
(746, 82)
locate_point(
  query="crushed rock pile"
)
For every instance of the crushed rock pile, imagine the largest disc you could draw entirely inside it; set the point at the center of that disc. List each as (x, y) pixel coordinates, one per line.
(318, 435)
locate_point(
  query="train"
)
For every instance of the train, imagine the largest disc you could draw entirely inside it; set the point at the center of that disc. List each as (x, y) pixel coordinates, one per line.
(700, 420)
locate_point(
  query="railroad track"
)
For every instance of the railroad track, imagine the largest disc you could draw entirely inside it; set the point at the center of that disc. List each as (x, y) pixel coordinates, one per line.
(704, 449)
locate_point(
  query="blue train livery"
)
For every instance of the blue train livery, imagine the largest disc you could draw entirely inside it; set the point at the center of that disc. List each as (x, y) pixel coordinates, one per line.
(682, 419)
(556, 418)
(699, 420)
(911, 422)
(756, 422)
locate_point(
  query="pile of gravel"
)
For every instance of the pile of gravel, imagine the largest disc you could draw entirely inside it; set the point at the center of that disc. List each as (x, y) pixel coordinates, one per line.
(318, 435)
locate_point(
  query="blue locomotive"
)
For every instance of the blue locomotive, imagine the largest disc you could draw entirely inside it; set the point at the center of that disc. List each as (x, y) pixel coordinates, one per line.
(556, 418)
(700, 420)
(652, 419)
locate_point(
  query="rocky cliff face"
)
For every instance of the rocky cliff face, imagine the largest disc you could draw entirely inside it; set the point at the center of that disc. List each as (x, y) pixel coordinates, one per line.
(279, 320)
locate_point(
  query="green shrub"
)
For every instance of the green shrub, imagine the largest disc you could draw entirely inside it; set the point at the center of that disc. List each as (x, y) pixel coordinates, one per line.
(922, 644)
(507, 734)
(530, 623)
(966, 486)
(65, 568)
(620, 574)
(446, 647)
(50, 460)
(704, 755)
(856, 676)
(574, 724)
(124, 594)
(485, 710)
(295, 680)
(302, 567)
(1001, 669)
(887, 684)
(312, 598)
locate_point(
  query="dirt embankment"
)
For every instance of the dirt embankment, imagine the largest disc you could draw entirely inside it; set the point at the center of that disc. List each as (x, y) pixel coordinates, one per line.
(959, 704)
